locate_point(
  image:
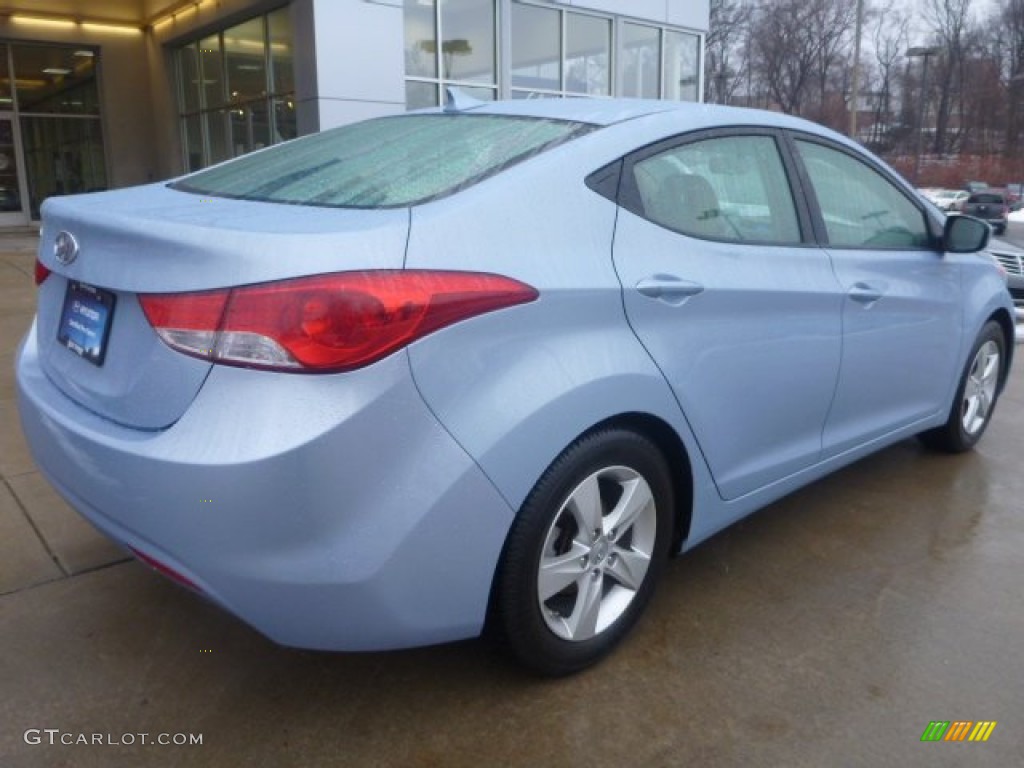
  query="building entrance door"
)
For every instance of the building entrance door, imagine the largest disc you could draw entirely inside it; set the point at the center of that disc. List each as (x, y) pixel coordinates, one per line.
(13, 211)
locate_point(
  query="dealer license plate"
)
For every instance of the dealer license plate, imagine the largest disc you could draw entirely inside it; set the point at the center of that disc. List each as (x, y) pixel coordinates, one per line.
(85, 321)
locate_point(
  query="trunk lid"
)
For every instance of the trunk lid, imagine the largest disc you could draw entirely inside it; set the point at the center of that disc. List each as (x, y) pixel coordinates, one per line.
(157, 240)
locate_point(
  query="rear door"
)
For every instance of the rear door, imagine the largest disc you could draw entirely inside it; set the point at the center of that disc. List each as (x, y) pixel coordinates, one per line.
(737, 308)
(901, 305)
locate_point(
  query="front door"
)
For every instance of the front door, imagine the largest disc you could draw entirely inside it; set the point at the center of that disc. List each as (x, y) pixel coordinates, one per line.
(901, 309)
(13, 209)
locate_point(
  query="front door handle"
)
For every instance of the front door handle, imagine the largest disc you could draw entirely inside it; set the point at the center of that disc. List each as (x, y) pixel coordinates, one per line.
(668, 288)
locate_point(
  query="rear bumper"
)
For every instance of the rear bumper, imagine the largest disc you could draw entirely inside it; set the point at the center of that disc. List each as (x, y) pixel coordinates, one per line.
(329, 512)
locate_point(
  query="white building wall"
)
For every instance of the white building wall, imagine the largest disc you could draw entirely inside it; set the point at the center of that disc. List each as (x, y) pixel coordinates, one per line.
(360, 59)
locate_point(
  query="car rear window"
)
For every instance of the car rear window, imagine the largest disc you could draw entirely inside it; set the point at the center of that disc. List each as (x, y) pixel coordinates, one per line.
(384, 163)
(985, 198)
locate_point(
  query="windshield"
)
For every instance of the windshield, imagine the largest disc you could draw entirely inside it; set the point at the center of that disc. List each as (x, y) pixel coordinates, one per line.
(384, 163)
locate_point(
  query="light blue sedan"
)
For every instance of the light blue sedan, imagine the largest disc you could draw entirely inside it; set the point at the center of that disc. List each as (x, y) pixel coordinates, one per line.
(491, 365)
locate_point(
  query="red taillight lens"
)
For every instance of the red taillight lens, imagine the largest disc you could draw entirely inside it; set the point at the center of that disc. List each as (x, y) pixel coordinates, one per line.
(326, 323)
(42, 272)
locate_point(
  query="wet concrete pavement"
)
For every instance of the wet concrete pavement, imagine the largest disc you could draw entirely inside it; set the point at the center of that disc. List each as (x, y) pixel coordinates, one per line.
(827, 630)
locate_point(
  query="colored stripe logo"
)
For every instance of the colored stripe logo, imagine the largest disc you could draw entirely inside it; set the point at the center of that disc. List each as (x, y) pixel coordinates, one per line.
(958, 730)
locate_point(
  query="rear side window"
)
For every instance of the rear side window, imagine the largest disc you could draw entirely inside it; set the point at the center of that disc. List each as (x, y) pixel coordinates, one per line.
(985, 199)
(384, 163)
(730, 188)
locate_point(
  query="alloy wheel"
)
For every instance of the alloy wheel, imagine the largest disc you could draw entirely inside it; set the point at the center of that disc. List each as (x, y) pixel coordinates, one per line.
(980, 390)
(596, 553)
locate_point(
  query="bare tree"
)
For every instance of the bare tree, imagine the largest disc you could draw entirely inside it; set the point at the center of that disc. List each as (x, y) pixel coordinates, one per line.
(1010, 18)
(890, 35)
(794, 56)
(832, 24)
(785, 47)
(724, 53)
(948, 20)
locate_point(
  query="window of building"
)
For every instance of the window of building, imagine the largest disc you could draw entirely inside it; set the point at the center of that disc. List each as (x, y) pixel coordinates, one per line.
(588, 54)
(682, 69)
(236, 90)
(465, 57)
(640, 61)
(554, 51)
(49, 104)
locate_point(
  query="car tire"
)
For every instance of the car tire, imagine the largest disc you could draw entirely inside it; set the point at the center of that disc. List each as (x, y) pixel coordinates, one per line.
(976, 394)
(1001, 230)
(584, 553)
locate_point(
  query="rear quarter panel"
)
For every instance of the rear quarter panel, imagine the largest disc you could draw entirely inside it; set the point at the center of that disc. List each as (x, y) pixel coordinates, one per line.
(516, 387)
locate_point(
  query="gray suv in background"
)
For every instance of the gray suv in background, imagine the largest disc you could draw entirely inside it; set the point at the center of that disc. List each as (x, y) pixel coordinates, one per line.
(990, 205)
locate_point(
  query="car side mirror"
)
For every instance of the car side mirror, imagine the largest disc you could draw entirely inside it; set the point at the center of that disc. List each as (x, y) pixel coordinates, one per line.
(965, 234)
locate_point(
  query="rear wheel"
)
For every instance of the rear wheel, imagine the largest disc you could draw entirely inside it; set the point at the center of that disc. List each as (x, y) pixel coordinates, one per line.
(584, 553)
(975, 397)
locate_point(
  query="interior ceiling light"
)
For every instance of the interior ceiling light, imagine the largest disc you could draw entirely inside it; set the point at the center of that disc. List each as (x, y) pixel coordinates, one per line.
(120, 29)
(65, 23)
(19, 18)
(85, 54)
(179, 9)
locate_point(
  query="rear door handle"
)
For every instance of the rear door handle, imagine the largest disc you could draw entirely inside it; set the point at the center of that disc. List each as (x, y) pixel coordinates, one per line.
(865, 293)
(668, 288)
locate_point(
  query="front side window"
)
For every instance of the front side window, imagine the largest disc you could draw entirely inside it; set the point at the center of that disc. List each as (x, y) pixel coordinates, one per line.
(730, 188)
(384, 163)
(861, 208)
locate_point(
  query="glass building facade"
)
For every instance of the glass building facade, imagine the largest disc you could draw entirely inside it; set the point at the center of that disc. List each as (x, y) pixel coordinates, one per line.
(51, 137)
(115, 93)
(236, 90)
(512, 49)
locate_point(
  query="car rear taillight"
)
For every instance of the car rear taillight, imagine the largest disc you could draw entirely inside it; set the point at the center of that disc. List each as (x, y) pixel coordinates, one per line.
(42, 272)
(326, 323)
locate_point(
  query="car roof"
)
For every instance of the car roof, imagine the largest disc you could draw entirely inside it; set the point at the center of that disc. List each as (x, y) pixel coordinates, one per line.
(601, 111)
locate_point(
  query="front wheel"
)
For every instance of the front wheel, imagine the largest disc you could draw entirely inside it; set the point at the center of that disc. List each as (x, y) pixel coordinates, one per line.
(584, 553)
(975, 397)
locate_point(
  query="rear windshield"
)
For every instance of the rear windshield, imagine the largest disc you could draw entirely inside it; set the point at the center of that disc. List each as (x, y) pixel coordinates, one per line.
(985, 198)
(384, 163)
